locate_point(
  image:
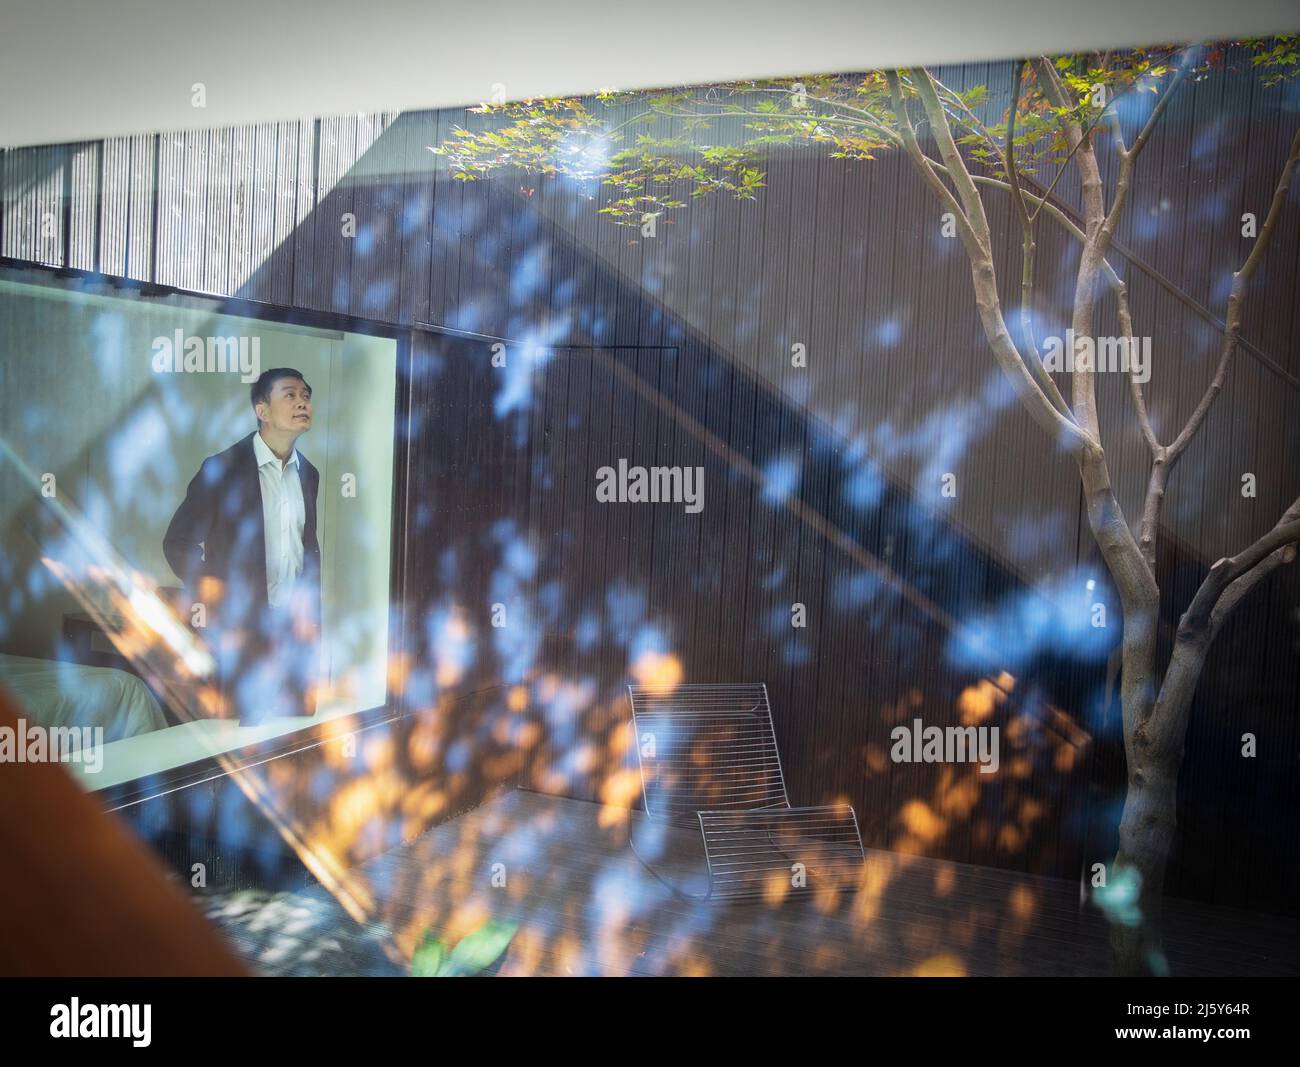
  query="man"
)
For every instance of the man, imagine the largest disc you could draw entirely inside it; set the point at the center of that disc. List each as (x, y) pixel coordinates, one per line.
(244, 543)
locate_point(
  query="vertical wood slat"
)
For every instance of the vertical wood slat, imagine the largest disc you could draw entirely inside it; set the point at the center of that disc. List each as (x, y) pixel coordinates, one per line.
(283, 162)
(83, 211)
(144, 207)
(257, 235)
(114, 201)
(420, 131)
(335, 197)
(171, 176)
(305, 263)
(243, 204)
(377, 181)
(218, 243)
(34, 227)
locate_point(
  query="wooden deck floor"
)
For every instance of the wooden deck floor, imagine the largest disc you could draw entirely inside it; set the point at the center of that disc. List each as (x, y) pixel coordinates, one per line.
(584, 905)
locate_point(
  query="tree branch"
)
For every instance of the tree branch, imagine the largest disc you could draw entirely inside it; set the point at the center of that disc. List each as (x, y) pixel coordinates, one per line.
(1238, 590)
(1135, 387)
(1140, 142)
(1080, 144)
(973, 226)
(1009, 156)
(1054, 212)
(1159, 476)
(957, 170)
(1128, 158)
(1134, 575)
(1028, 251)
(1232, 328)
(1094, 213)
(1196, 623)
(922, 162)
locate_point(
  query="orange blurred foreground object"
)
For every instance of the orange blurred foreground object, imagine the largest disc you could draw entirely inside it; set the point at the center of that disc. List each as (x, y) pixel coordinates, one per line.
(80, 895)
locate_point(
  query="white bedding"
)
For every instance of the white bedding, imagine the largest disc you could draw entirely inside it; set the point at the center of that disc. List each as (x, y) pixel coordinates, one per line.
(52, 693)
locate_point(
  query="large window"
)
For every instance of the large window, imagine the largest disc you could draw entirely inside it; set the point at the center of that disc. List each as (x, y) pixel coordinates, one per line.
(110, 401)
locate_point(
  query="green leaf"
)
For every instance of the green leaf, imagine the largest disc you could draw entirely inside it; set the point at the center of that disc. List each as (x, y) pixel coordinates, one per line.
(480, 949)
(429, 957)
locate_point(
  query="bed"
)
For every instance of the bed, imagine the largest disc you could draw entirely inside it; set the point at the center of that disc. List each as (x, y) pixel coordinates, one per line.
(53, 693)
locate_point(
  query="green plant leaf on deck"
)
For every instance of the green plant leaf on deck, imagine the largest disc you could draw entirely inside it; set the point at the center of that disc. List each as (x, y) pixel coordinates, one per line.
(429, 958)
(478, 950)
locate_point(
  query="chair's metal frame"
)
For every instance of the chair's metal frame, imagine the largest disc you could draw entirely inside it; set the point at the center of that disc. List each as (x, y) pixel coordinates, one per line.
(738, 801)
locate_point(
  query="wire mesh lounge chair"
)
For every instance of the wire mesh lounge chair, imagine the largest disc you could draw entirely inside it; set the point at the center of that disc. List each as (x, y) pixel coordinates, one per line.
(709, 759)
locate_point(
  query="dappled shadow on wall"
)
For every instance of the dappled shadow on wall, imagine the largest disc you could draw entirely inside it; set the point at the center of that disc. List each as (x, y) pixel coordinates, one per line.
(513, 675)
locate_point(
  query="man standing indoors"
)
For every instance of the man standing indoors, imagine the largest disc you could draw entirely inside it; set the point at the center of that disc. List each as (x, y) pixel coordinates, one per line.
(244, 543)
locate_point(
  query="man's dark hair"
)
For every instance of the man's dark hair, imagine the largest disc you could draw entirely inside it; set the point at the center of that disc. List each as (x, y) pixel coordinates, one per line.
(261, 390)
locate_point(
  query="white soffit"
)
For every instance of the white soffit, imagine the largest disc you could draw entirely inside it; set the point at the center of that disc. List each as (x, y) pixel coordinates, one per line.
(74, 70)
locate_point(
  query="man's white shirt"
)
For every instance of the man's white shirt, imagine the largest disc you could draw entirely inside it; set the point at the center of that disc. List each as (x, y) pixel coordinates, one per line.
(285, 515)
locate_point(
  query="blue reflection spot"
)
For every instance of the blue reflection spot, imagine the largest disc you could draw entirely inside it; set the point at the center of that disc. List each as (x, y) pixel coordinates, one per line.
(1056, 619)
(857, 591)
(795, 654)
(458, 755)
(528, 275)
(865, 487)
(587, 632)
(781, 479)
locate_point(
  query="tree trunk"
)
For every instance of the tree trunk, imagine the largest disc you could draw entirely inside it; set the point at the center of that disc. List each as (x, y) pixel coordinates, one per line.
(1155, 736)
(1136, 880)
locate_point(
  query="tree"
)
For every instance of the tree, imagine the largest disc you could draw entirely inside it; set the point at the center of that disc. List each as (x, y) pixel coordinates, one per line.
(1062, 114)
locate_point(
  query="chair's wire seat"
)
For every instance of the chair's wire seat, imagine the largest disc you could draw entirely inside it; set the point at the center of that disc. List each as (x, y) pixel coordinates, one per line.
(708, 757)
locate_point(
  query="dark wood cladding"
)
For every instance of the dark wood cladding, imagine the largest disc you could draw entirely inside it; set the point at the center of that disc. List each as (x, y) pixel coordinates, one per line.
(676, 350)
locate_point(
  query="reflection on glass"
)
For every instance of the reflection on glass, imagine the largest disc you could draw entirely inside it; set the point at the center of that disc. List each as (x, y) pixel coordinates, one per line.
(190, 568)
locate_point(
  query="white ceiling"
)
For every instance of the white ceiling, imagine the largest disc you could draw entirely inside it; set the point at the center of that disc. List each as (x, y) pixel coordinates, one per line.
(82, 69)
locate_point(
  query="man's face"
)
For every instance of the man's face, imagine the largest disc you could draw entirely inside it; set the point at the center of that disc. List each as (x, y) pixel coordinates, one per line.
(288, 408)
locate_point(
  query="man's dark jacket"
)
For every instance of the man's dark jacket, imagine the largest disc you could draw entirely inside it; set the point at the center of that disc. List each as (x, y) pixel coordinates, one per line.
(219, 532)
